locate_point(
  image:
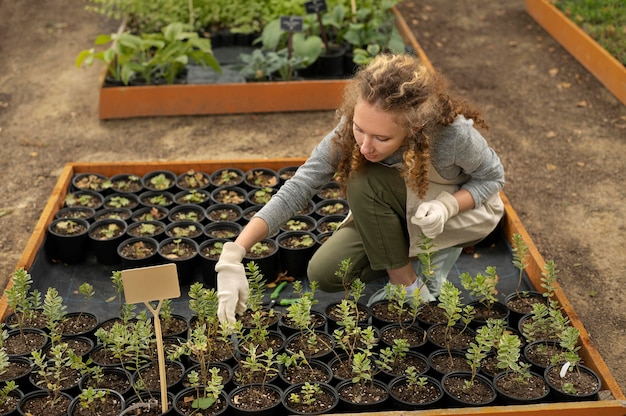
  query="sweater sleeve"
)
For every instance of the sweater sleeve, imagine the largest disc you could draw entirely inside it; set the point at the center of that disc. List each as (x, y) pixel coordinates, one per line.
(296, 193)
(461, 149)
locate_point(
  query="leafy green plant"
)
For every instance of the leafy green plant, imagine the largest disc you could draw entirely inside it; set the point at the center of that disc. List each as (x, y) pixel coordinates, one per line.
(390, 357)
(486, 338)
(401, 305)
(414, 381)
(454, 311)
(276, 56)
(483, 286)
(8, 386)
(207, 390)
(508, 355)
(54, 310)
(307, 395)
(258, 367)
(50, 368)
(21, 299)
(520, 252)
(152, 57)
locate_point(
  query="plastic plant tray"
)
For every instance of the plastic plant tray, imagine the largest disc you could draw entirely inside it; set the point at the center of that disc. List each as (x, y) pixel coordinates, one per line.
(495, 251)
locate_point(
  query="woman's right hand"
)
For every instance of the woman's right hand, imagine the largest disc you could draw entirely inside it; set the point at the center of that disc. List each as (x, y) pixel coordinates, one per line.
(232, 284)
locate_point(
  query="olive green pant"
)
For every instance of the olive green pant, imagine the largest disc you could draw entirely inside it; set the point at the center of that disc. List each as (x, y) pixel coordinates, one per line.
(377, 238)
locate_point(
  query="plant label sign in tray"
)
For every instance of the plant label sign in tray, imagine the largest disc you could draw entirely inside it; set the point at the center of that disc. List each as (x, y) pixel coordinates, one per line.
(147, 284)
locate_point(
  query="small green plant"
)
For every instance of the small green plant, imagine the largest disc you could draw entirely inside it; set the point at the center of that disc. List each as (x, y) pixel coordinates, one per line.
(545, 323)
(483, 286)
(109, 231)
(486, 338)
(160, 181)
(7, 386)
(332, 209)
(258, 367)
(210, 391)
(307, 396)
(520, 252)
(508, 356)
(401, 305)
(159, 199)
(296, 225)
(363, 368)
(454, 311)
(68, 227)
(89, 396)
(54, 310)
(569, 342)
(414, 381)
(50, 368)
(262, 196)
(184, 230)
(390, 358)
(24, 302)
(261, 248)
(194, 197)
(119, 202)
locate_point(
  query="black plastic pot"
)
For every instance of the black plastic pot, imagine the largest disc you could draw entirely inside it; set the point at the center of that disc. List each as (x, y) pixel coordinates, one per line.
(460, 400)
(572, 375)
(348, 405)
(185, 266)
(159, 180)
(431, 398)
(239, 396)
(268, 263)
(68, 248)
(295, 260)
(149, 247)
(105, 248)
(537, 385)
(187, 212)
(312, 409)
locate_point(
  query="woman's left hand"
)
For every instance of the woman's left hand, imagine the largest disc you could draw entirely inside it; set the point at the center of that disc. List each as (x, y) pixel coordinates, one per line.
(431, 216)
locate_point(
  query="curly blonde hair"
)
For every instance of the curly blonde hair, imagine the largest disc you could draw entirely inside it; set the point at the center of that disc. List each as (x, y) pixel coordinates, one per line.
(400, 84)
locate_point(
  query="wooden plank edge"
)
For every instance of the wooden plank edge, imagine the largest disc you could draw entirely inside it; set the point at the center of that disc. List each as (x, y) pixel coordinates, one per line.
(511, 224)
(604, 66)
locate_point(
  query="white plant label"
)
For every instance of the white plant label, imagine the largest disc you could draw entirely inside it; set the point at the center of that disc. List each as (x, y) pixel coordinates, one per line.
(564, 369)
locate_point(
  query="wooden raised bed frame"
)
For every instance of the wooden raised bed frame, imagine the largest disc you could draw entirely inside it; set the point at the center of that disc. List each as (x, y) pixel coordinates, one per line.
(604, 66)
(511, 224)
(254, 97)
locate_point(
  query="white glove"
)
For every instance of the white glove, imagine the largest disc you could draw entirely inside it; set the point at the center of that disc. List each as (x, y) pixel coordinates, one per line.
(432, 215)
(232, 284)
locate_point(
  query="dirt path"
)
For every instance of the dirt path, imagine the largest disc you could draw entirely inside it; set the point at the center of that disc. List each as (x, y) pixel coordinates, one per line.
(559, 133)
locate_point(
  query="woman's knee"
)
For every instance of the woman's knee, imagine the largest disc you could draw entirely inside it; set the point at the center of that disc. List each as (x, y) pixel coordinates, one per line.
(320, 272)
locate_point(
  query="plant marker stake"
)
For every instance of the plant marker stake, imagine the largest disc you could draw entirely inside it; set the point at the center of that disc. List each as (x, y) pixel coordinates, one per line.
(153, 283)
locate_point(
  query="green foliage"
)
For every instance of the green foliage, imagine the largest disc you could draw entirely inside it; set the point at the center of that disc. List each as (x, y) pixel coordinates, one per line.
(256, 285)
(482, 286)
(603, 20)
(153, 57)
(520, 252)
(509, 358)
(21, 299)
(88, 397)
(54, 310)
(307, 395)
(305, 49)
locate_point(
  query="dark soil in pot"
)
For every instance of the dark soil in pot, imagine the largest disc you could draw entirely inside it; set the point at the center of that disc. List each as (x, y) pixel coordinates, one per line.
(39, 402)
(193, 180)
(513, 391)
(405, 396)
(444, 362)
(577, 384)
(481, 393)
(325, 400)
(256, 399)
(113, 378)
(315, 372)
(362, 397)
(224, 213)
(25, 341)
(415, 336)
(431, 314)
(322, 349)
(454, 337)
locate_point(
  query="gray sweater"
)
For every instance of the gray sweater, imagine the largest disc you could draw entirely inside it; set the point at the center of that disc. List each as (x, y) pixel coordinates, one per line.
(459, 153)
